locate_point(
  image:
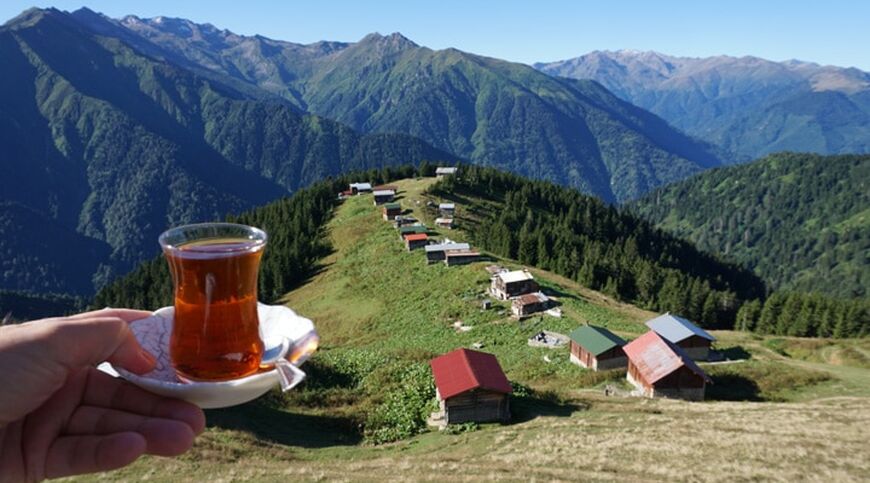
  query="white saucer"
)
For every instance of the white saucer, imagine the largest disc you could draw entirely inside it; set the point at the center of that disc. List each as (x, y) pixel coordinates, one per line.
(277, 322)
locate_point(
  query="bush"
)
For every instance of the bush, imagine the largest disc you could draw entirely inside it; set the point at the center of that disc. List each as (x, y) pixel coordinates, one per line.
(404, 411)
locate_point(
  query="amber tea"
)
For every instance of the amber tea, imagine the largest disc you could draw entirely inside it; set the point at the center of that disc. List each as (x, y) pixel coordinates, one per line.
(216, 333)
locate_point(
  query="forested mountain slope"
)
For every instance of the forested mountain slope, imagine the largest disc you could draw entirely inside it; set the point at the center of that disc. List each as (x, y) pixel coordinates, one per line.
(800, 221)
(486, 110)
(110, 146)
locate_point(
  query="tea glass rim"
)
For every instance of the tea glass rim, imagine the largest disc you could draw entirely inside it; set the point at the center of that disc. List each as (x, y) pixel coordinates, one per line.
(256, 236)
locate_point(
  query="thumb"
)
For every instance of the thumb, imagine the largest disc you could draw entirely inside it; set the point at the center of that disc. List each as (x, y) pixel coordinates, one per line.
(78, 341)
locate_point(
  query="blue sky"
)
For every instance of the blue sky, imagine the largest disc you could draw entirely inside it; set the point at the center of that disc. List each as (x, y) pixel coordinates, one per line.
(829, 32)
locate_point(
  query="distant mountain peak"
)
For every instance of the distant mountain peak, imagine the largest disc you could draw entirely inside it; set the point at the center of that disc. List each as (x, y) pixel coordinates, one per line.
(394, 40)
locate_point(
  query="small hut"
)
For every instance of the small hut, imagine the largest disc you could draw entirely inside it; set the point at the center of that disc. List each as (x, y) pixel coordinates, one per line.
(391, 211)
(437, 253)
(444, 223)
(677, 330)
(383, 196)
(445, 171)
(658, 368)
(404, 220)
(407, 230)
(460, 257)
(597, 348)
(359, 188)
(528, 304)
(471, 387)
(447, 209)
(384, 187)
(507, 285)
(414, 241)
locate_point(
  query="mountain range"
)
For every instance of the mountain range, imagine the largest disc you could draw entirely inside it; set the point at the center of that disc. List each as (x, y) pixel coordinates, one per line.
(747, 106)
(486, 110)
(102, 147)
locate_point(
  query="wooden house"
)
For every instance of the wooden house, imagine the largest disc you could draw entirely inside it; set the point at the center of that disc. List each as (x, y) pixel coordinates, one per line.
(404, 220)
(414, 241)
(528, 304)
(444, 223)
(391, 211)
(688, 336)
(597, 348)
(406, 230)
(460, 257)
(386, 187)
(507, 285)
(445, 171)
(447, 209)
(360, 188)
(471, 387)
(658, 368)
(437, 253)
(383, 196)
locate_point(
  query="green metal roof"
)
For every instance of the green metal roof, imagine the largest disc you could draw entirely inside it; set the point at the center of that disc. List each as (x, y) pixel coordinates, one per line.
(392, 206)
(596, 339)
(413, 229)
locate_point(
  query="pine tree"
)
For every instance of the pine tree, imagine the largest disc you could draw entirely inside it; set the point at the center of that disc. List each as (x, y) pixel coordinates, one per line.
(747, 315)
(770, 313)
(790, 311)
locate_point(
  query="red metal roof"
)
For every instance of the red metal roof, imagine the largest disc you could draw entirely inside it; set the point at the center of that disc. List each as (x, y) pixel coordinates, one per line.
(416, 236)
(463, 370)
(655, 357)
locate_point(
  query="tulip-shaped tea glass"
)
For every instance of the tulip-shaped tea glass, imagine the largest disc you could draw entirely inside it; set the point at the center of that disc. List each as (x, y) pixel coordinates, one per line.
(216, 331)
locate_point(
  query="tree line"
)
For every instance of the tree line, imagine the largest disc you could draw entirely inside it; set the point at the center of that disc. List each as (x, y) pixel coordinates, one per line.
(297, 240)
(805, 315)
(602, 247)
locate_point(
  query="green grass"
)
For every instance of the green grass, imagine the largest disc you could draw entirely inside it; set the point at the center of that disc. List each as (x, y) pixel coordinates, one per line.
(382, 313)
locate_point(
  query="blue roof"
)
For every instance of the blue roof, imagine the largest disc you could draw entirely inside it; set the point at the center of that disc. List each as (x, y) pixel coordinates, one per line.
(675, 328)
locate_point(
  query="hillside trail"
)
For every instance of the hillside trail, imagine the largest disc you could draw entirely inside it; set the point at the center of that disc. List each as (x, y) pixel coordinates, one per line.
(855, 380)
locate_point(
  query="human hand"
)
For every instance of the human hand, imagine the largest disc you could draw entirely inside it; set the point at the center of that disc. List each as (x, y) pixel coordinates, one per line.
(60, 416)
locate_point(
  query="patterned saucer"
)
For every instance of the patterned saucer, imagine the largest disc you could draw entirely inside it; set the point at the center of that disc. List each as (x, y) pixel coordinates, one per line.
(278, 325)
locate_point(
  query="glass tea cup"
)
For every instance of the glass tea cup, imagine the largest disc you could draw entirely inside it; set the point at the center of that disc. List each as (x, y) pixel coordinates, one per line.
(216, 332)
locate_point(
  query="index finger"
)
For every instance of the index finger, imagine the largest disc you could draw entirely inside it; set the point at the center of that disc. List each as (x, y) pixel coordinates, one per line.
(127, 315)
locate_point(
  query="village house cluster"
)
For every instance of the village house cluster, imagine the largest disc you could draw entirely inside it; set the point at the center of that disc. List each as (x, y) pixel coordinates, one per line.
(471, 385)
(520, 288)
(412, 232)
(660, 363)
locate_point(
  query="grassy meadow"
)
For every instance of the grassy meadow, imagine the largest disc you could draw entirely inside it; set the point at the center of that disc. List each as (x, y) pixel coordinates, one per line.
(781, 409)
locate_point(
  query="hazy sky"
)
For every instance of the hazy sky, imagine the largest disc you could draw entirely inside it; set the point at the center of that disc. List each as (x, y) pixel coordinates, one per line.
(829, 32)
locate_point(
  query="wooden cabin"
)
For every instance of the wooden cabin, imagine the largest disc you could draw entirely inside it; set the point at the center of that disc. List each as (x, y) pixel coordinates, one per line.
(445, 171)
(414, 241)
(471, 387)
(437, 253)
(391, 211)
(404, 220)
(597, 348)
(383, 196)
(406, 230)
(460, 257)
(385, 187)
(447, 209)
(360, 188)
(507, 285)
(688, 336)
(528, 304)
(444, 223)
(659, 368)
